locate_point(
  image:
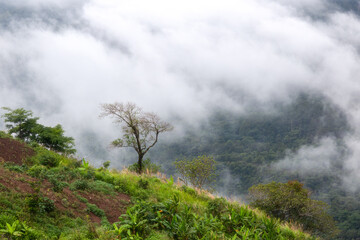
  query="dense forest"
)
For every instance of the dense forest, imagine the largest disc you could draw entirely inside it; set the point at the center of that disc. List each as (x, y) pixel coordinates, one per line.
(247, 147)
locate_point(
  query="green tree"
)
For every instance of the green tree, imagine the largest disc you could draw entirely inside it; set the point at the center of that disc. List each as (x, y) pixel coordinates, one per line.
(54, 139)
(21, 123)
(140, 129)
(291, 202)
(199, 172)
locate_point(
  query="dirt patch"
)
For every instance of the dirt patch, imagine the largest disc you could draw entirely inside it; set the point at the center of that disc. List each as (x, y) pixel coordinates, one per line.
(113, 205)
(14, 151)
(66, 201)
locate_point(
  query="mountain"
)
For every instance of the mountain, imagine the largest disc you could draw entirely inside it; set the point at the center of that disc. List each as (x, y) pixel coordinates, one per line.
(44, 195)
(302, 140)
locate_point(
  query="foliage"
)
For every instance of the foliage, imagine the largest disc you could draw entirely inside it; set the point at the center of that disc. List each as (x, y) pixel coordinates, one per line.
(54, 139)
(38, 204)
(180, 221)
(148, 166)
(95, 210)
(247, 145)
(199, 172)
(21, 123)
(170, 211)
(80, 184)
(49, 159)
(106, 164)
(291, 202)
(140, 129)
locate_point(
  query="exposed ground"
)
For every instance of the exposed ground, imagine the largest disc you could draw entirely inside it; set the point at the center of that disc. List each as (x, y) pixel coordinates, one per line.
(67, 201)
(14, 151)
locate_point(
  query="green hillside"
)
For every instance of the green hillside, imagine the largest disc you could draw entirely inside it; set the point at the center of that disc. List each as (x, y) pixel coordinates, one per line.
(247, 145)
(51, 196)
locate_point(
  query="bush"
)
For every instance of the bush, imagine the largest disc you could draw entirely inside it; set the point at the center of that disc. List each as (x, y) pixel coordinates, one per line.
(189, 190)
(144, 184)
(4, 135)
(58, 186)
(217, 206)
(16, 168)
(291, 202)
(39, 205)
(80, 184)
(147, 166)
(49, 159)
(103, 187)
(199, 172)
(95, 210)
(38, 171)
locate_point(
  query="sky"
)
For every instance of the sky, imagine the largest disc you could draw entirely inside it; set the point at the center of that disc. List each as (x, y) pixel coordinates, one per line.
(179, 59)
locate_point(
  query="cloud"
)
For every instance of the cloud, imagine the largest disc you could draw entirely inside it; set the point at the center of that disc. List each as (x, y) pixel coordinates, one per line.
(180, 59)
(310, 160)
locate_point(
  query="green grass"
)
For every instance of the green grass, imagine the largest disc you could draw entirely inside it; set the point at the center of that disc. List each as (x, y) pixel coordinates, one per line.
(161, 208)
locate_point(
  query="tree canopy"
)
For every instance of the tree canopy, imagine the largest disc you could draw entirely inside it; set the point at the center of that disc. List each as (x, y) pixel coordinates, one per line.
(199, 172)
(291, 202)
(25, 127)
(140, 130)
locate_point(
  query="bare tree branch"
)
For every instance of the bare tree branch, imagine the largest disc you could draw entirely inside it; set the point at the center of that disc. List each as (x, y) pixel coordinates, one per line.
(140, 129)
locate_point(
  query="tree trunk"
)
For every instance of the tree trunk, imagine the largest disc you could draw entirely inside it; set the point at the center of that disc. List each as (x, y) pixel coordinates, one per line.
(140, 163)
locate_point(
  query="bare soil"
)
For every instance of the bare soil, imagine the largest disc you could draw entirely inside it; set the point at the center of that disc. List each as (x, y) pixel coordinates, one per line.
(66, 201)
(14, 151)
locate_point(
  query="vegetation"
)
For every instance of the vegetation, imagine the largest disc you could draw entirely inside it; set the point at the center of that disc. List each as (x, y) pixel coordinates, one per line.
(199, 172)
(25, 127)
(246, 147)
(140, 129)
(291, 202)
(60, 204)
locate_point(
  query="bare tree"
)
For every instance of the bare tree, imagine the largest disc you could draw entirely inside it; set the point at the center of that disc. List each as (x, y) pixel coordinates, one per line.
(140, 129)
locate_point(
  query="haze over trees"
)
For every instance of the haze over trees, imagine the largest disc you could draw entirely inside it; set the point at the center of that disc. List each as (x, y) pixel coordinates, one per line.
(140, 130)
(247, 146)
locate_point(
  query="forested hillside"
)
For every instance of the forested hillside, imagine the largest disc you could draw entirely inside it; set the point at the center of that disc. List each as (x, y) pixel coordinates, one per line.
(248, 147)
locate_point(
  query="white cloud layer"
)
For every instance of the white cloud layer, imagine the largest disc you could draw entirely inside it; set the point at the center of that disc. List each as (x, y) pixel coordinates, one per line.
(176, 58)
(310, 160)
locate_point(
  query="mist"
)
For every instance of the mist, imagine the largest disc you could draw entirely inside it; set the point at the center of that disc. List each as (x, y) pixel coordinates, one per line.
(181, 60)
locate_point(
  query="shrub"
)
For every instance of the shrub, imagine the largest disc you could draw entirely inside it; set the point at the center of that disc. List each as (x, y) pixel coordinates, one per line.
(37, 171)
(4, 135)
(199, 172)
(95, 210)
(49, 159)
(58, 186)
(39, 205)
(291, 202)
(15, 168)
(80, 184)
(189, 190)
(147, 166)
(217, 206)
(103, 187)
(144, 184)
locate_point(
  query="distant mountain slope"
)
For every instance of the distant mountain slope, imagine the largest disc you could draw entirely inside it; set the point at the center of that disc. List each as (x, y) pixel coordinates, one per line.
(247, 146)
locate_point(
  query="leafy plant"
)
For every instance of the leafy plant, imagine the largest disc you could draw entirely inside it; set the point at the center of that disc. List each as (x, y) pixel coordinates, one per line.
(148, 166)
(80, 184)
(10, 230)
(199, 172)
(95, 210)
(291, 202)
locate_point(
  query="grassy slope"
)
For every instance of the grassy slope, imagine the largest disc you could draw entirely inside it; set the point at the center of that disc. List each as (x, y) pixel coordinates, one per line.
(67, 199)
